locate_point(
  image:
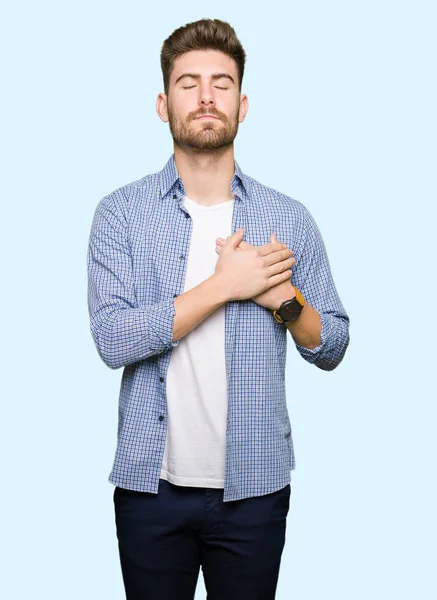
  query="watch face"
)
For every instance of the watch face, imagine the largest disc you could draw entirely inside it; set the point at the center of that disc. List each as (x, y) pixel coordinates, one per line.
(291, 310)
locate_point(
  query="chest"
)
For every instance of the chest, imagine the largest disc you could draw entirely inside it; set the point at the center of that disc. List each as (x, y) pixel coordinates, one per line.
(162, 234)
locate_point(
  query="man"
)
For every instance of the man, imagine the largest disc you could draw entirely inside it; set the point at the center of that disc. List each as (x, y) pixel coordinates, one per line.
(198, 318)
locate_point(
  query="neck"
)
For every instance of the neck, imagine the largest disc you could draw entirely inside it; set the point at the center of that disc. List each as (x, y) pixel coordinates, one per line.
(207, 175)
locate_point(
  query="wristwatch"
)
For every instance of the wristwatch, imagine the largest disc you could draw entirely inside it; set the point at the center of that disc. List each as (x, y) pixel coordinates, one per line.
(290, 309)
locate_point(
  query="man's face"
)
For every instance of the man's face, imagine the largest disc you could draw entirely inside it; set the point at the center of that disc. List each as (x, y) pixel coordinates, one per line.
(203, 82)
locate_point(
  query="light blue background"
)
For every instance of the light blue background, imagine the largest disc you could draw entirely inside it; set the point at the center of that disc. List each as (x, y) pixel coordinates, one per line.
(342, 117)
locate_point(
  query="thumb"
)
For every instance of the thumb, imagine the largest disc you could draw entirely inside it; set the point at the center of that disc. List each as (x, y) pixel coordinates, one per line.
(233, 240)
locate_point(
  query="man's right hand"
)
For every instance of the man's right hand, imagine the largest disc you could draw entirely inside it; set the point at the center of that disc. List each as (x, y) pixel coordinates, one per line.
(245, 274)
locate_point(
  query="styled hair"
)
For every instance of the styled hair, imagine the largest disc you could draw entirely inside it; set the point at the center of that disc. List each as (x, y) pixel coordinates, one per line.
(205, 34)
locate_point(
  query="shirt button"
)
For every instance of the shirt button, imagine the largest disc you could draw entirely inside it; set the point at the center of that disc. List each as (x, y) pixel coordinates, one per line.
(161, 418)
(182, 257)
(187, 216)
(161, 379)
(174, 196)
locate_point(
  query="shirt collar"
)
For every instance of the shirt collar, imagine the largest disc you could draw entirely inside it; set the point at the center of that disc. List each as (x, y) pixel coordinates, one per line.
(169, 178)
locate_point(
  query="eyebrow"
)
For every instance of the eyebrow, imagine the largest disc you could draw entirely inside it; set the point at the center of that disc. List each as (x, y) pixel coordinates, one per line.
(214, 76)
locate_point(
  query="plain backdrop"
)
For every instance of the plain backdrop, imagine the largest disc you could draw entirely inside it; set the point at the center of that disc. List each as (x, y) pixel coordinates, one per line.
(342, 117)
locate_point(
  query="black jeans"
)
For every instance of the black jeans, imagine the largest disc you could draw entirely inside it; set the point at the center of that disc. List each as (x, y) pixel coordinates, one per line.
(164, 538)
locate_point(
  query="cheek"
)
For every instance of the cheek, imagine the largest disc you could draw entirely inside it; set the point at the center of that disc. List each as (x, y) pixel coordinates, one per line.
(180, 108)
(235, 108)
(228, 108)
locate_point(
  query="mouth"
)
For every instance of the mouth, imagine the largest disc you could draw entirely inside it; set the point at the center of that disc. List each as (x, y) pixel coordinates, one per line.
(205, 117)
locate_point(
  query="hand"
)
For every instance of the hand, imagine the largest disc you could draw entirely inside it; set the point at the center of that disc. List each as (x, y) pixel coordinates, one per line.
(274, 296)
(247, 272)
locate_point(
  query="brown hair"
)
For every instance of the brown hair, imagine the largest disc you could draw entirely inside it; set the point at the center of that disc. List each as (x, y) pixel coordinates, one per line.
(206, 34)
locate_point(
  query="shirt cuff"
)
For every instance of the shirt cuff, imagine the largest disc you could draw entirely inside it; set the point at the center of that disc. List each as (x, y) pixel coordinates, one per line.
(311, 354)
(161, 321)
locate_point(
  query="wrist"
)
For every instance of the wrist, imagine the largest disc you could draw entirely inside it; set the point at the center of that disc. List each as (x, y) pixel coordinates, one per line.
(291, 308)
(218, 284)
(285, 294)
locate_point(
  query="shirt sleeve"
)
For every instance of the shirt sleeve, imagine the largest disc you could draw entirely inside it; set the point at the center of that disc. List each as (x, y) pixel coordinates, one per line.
(312, 275)
(123, 331)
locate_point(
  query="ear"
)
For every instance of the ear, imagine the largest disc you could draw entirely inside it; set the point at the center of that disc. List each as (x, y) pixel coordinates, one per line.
(244, 107)
(161, 107)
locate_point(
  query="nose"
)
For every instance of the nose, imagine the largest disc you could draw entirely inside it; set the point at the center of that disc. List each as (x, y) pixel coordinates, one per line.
(206, 97)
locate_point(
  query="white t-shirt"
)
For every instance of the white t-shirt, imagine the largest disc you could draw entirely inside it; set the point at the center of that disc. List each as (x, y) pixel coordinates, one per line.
(197, 402)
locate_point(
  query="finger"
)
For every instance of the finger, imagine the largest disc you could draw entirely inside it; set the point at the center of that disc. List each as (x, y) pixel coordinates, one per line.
(232, 241)
(280, 278)
(278, 267)
(235, 235)
(269, 248)
(277, 257)
(242, 244)
(275, 239)
(220, 242)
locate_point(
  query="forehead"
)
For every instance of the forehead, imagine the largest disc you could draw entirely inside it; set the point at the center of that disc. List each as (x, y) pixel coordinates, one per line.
(204, 62)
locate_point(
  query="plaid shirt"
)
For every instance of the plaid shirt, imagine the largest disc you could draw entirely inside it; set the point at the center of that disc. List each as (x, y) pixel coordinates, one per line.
(137, 258)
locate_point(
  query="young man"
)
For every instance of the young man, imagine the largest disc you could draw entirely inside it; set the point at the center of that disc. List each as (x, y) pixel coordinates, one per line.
(199, 318)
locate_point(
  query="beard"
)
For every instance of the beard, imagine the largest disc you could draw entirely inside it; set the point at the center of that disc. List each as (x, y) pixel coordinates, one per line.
(206, 135)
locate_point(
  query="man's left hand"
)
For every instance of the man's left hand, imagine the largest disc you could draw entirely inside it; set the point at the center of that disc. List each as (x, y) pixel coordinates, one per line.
(275, 296)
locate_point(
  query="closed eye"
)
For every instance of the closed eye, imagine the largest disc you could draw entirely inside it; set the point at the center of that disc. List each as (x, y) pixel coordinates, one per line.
(188, 87)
